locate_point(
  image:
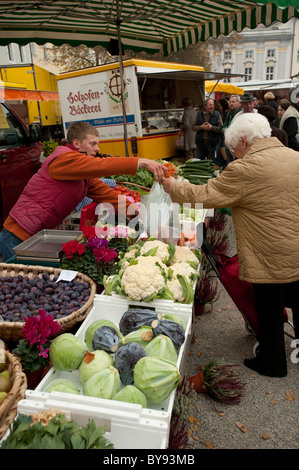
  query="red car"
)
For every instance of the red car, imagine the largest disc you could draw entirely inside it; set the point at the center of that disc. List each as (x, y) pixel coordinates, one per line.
(20, 151)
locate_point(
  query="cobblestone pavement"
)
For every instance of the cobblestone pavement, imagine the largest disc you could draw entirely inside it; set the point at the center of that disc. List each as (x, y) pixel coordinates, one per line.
(267, 416)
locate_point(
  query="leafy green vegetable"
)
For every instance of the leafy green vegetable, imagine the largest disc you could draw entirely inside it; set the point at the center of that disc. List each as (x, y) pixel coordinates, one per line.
(142, 177)
(59, 433)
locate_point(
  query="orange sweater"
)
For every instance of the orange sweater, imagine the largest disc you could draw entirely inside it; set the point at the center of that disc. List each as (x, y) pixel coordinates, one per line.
(76, 166)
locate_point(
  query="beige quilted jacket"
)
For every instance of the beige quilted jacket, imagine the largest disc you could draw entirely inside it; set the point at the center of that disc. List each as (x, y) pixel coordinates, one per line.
(262, 190)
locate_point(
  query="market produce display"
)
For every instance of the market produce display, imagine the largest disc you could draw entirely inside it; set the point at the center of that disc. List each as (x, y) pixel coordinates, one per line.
(51, 429)
(142, 177)
(5, 383)
(153, 269)
(132, 195)
(140, 351)
(198, 171)
(22, 297)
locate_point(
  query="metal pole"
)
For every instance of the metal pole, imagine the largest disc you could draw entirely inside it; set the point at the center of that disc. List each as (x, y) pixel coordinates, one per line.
(122, 84)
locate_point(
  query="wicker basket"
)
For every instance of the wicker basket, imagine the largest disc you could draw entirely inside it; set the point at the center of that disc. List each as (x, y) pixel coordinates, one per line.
(8, 408)
(12, 331)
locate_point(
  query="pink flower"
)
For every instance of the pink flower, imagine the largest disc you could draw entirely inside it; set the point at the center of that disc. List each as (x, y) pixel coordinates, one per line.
(39, 329)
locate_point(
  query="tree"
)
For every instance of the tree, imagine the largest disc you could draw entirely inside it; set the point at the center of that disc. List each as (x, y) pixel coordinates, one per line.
(68, 58)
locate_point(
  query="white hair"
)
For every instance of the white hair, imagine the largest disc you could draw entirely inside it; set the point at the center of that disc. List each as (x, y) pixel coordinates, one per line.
(235, 96)
(253, 126)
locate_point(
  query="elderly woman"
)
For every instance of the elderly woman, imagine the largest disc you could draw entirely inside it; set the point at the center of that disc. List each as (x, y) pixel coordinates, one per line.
(261, 188)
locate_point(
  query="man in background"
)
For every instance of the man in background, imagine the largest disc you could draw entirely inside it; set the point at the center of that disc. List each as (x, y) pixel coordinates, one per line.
(208, 127)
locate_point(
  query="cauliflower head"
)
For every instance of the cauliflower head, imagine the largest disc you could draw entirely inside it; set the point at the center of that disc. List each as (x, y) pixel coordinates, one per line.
(162, 249)
(183, 253)
(176, 289)
(143, 280)
(185, 269)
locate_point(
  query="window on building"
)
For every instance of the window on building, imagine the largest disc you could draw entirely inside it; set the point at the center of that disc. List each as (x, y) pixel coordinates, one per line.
(33, 48)
(22, 54)
(248, 73)
(227, 55)
(270, 73)
(10, 53)
(45, 51)
(227, 79)
(271, 53)
(249, 54)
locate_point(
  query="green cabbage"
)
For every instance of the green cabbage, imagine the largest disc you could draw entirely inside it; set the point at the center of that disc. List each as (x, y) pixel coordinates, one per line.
(156, 378)
(62, 385)
(141, 336)
(162, 347)
(91, 329)
(131, 394)
(66, 352)
(103, 384)
(94, 362)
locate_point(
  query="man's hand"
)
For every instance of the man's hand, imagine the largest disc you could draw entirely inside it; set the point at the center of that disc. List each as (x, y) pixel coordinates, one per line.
(159, 171)
(206, 126)
(167, 182)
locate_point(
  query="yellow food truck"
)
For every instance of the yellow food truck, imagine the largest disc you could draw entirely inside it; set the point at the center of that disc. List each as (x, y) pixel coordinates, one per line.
(153, 92)
(32, 92)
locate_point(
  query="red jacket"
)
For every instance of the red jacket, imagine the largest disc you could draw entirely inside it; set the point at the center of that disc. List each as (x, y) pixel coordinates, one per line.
(66, 176)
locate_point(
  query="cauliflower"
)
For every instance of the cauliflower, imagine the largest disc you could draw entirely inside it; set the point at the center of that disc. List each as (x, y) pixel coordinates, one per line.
(143, 280)
(179, 290)
(185, 269)
(184, 254)
(152, 260)
(176, 290)
(111, 284)
(127, 258)
(159, 248)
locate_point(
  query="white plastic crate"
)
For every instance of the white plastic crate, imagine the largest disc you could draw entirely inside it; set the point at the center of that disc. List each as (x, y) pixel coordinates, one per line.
(171, 305)
(166, 304)
(126, 427)
(108, 307)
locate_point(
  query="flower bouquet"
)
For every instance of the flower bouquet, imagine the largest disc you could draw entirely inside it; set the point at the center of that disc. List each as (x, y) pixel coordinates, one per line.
(219, 380)
(33, 348)
(97, 256)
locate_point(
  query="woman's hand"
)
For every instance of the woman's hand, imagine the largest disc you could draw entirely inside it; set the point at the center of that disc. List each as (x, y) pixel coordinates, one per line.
(159, 171)
(167, 182)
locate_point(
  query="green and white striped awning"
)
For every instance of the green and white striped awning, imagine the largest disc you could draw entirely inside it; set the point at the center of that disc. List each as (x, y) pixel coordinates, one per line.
(163, 26)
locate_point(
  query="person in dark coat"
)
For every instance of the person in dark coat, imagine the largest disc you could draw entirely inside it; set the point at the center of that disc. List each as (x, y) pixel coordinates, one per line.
(270, 101)
(208, 127)
(189, 117)
(269, 113)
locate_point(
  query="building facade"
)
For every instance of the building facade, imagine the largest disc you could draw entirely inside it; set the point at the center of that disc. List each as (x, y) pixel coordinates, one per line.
(264, 54)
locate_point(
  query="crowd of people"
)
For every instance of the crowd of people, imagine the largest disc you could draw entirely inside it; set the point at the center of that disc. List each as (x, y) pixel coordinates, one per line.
(204, 129)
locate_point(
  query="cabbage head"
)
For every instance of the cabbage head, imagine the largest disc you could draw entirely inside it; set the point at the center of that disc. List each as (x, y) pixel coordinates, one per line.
(91, 329)
(103, 384)
(162, 346)
(173, 317)
(66, 352)
(156, 378)
(94, 362)
(131, 394)
(62, 385)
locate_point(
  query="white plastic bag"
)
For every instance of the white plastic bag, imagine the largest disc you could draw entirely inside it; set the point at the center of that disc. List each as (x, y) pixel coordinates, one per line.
(160, 216)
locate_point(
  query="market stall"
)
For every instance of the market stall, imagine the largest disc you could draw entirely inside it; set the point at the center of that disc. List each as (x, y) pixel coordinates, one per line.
(127, 299)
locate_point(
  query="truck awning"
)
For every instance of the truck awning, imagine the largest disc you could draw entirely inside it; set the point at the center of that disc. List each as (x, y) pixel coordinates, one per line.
(17, 94)
(219, 87)
(185, 74)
